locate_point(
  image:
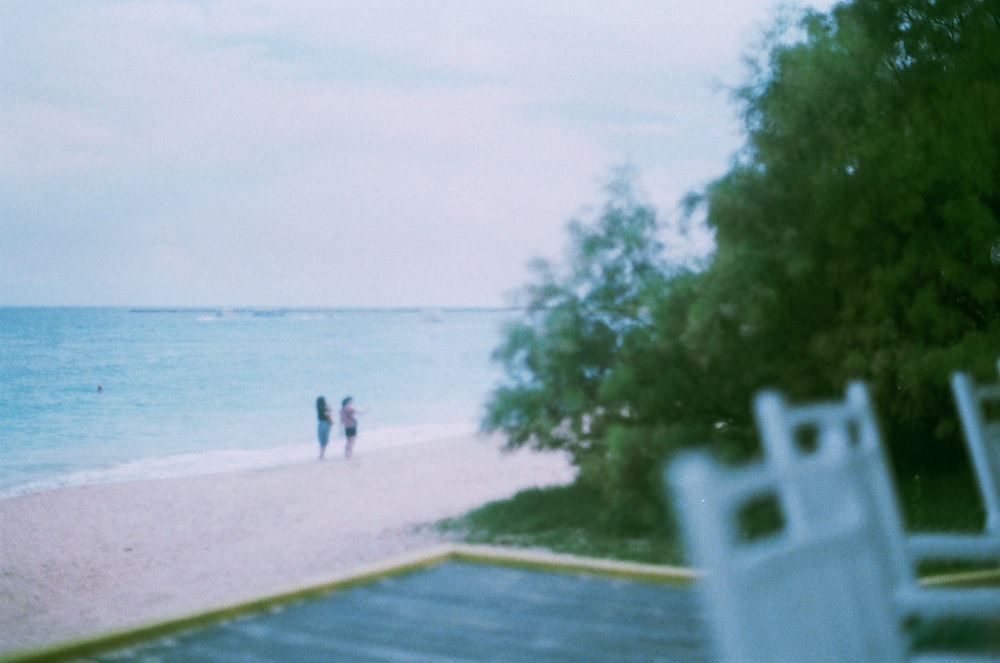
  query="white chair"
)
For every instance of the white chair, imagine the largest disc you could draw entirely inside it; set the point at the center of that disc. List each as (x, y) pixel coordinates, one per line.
(812, 591)
(982, 439)
(982, 436)
(835, 580)
(840, 432)
(847, 432)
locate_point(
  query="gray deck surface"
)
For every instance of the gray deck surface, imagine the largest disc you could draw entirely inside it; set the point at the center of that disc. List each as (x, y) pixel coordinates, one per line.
(459, 611)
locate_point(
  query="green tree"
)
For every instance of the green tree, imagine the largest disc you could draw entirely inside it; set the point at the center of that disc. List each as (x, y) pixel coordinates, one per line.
(857, 233)
(577, 320)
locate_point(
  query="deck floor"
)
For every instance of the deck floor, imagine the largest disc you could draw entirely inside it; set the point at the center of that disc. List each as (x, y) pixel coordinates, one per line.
(459, 611)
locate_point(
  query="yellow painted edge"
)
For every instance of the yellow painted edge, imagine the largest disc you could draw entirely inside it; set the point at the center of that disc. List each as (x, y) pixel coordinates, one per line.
(549, 561)
(358, 576)
(988, 577)
(133, 636)
(398, 565)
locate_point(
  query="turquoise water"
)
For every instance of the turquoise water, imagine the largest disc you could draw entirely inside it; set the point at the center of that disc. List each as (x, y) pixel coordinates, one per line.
(194, 391)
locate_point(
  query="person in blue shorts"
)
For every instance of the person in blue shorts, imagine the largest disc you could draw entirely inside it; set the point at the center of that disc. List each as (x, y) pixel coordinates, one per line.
(325, 423)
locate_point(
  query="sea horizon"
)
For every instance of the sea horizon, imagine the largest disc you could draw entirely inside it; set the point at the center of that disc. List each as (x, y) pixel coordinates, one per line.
(257, 308)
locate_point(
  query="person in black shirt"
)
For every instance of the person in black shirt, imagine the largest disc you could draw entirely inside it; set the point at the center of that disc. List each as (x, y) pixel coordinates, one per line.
(325, 423)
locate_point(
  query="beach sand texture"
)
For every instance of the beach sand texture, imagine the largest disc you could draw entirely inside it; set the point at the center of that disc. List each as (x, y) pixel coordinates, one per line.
(79, 562)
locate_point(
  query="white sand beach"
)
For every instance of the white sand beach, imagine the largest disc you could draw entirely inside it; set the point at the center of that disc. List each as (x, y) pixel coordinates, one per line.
(79, 562)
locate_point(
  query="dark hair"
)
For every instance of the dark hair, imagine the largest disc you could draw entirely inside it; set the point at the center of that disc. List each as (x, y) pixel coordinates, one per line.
(346, 401)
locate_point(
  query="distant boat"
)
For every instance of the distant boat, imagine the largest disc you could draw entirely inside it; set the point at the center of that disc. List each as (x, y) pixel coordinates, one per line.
(221, 314)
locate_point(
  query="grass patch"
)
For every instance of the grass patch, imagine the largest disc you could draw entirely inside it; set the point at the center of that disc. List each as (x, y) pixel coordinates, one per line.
(563, 519)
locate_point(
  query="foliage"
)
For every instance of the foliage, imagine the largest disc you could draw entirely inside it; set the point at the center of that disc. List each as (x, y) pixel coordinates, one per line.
(574, 519)
(858, 236)
(576, 325)
(563, 519)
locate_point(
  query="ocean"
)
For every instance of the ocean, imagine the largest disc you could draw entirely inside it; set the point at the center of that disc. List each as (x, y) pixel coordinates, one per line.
(97, 395)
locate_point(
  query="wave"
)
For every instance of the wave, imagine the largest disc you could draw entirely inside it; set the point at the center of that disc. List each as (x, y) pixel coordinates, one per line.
(222, 461)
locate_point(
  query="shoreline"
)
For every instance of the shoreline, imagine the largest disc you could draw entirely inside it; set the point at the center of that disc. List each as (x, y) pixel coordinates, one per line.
(80, 561)
(227, 460)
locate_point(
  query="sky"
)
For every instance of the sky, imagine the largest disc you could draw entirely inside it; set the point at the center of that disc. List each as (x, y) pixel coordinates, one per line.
(344, 154)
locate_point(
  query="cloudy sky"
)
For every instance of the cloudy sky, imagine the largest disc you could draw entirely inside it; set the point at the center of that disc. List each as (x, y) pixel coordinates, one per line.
(352, 153)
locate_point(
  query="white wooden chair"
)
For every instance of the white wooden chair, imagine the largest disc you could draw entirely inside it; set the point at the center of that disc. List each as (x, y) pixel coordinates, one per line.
(835, 581)
(813, 590)
(846, 431)
(981, 427)
(982, 439)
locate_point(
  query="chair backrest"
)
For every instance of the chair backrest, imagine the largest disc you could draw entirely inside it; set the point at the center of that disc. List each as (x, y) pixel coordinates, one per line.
(812, 587)
(844, 432)
(979, 411)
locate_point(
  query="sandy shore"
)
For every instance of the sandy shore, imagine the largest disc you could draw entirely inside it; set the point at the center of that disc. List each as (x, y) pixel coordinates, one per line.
(83, 561)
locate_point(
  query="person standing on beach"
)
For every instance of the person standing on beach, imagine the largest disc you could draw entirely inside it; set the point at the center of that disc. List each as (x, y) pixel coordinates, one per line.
(349, 420)
(325, 423)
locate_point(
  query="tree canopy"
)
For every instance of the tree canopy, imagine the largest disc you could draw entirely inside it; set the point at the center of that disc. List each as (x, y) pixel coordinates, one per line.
(857, 236)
